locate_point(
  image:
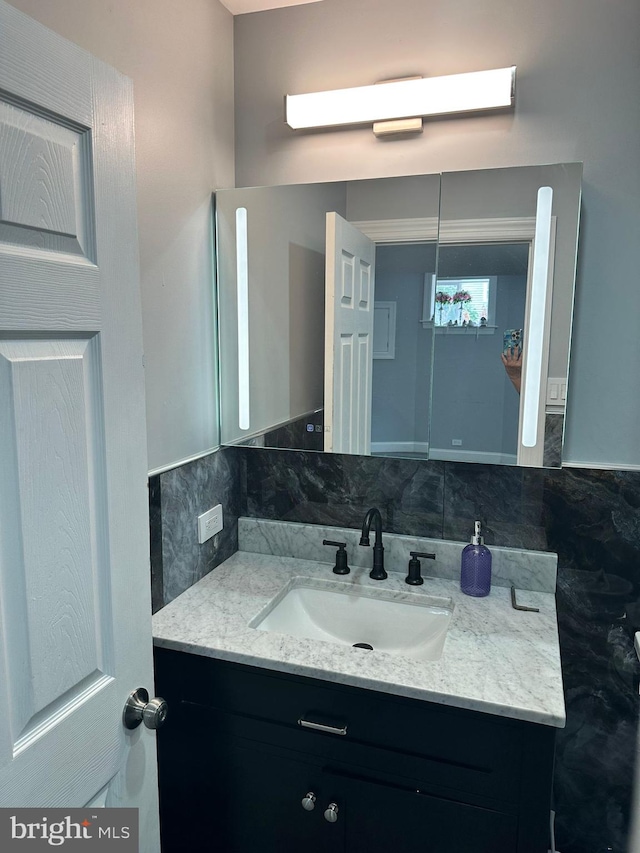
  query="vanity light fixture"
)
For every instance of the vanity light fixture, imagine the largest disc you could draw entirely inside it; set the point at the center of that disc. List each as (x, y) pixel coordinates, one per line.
(535, 332)
(242, 273)
(402, 99)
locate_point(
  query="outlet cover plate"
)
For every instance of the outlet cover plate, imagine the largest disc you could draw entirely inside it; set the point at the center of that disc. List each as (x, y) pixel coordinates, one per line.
(210, 523)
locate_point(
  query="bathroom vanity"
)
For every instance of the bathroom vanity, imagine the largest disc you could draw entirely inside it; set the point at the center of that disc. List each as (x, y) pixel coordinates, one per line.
(239, 773)
(277, 741)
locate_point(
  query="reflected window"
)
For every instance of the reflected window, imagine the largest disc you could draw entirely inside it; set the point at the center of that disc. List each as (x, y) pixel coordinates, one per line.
(464, 301)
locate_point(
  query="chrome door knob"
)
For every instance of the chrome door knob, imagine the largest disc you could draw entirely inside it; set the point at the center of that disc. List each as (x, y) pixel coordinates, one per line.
(331, 813)
(309, 801)
(139, 709)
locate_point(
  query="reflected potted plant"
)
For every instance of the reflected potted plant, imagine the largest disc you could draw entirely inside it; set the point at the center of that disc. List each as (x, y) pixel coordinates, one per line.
(461, 298)
(442, 299)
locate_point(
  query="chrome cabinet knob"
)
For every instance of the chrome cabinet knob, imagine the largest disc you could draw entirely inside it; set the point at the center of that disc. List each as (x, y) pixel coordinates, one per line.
(139, 709)
(309, 801)
(331, 813)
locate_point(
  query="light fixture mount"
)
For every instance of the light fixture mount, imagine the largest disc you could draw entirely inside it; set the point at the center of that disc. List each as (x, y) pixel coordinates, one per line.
(399, 126)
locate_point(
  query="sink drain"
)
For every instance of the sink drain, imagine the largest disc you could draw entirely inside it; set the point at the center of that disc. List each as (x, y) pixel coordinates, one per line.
(363, 646)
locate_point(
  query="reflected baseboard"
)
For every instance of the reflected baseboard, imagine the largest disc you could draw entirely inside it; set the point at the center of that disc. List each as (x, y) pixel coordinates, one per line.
(482, 456)
(418, 449)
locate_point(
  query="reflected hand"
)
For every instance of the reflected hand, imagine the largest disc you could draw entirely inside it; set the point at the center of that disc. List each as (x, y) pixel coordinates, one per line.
(512, 361)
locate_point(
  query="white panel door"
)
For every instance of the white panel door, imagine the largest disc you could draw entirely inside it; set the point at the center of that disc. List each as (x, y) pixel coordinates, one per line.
(349, 313)
(75, 616)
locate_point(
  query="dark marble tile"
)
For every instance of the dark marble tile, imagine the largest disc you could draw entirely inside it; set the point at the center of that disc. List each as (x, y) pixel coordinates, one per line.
(509, 502)
(338, 489)
(155, 542)
(553, 430)
(593, 519)
(593, 522)
(595, 752)
(187, 492)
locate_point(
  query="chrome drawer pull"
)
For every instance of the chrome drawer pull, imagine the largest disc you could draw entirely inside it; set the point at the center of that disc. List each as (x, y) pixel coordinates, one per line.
(320, 727)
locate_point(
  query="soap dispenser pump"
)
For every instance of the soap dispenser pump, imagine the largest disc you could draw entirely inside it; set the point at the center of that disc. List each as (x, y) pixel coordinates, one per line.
(475, 572)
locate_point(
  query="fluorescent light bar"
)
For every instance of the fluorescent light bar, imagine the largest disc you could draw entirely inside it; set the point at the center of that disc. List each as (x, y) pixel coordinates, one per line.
(242, 287)
(535, 332)
(457, 93)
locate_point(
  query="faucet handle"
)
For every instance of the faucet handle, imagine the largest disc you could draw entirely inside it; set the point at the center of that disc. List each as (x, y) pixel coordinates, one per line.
(414, 578)
(341, 567)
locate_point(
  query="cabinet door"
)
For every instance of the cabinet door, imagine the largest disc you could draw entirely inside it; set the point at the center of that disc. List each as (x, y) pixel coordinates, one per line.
(258, 803)
(234, 795)
(381, 817)
(226, 791)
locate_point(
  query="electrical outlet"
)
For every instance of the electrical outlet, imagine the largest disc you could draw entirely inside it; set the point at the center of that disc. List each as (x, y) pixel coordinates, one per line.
(456, 442)
(210, 523)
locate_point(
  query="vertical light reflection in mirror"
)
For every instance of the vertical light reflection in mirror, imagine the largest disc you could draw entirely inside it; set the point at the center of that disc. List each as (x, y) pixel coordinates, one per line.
(533, 363)
(242, 284)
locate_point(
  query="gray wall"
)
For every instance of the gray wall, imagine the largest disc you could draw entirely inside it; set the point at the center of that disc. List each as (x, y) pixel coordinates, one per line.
(394, 198)
(578, 77)
(472, 397)
(400, 386)
(180, 58)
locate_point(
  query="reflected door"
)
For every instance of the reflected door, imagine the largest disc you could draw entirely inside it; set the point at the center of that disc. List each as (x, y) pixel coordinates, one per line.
(75, 625)
(349, 314)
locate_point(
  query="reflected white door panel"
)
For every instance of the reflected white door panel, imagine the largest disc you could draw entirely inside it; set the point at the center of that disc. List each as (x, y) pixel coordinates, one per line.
(349, 314)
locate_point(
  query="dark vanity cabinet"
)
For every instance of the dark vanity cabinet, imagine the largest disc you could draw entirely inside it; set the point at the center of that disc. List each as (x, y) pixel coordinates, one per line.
(244, 750)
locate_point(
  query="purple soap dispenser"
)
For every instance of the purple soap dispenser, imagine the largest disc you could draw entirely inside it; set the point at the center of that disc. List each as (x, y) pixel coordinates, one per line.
(475, 572)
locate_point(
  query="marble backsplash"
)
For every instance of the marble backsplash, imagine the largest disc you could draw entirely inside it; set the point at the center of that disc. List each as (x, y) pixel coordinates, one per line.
(591, 519)
(530, 570)
(176, 498)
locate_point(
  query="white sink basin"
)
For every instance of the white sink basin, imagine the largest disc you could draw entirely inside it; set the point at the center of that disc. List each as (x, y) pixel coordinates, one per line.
(406, 624)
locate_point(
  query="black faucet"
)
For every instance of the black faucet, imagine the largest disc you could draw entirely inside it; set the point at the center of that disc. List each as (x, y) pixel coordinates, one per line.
(377, 573)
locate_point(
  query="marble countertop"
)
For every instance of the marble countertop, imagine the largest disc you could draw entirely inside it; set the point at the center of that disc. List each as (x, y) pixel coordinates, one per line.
(495, 659)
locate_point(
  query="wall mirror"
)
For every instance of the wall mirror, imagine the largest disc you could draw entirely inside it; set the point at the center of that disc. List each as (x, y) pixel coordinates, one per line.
(424, 316)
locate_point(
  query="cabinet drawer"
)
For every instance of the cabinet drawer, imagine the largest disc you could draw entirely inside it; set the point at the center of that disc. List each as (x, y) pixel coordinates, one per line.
(214, 729)
(447, 747)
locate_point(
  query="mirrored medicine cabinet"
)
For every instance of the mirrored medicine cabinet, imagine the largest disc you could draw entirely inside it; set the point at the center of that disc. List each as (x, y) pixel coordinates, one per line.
(425, 316)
